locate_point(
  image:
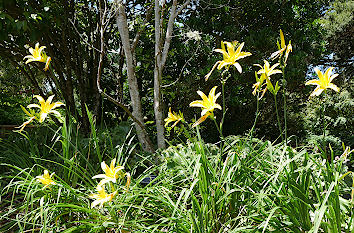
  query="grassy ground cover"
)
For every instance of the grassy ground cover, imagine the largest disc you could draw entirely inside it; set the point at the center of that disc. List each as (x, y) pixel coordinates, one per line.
(239, 185)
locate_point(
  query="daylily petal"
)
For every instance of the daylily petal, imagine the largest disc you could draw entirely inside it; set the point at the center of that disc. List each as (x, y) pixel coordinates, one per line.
(238, 50)
(94, 203)
(333, 77)
(275, 54)
(204, 111)
(328, 72)
(175, 123)
(313, 82)
(201, 119)
(282, 40)
(40, 99)
(275, 72)
(318, 90)
(99, 176)
(104, 166)
(197, 103)
(333, 87)
(33, 106)
(201, 94)
(208, 75)
(319, 73)
(41, 49)
(273, 67)
(57, 104)
(223, 52)
(243, 55)
(238, 67)
(49, 100)
(113, 162)
(21, 127)
(107, 180)
(42, 117)
(223, 64)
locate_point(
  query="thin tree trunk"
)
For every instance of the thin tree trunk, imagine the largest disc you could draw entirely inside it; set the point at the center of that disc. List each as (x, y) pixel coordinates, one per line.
(133, 83)
(161, 54)
(157, 80)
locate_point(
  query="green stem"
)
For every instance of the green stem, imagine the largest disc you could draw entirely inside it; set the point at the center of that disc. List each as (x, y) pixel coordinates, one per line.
(324, 122)
(223, 82)
(276, 109)
(285, 110)
(255, 120)
(218, 128)
(112, 187)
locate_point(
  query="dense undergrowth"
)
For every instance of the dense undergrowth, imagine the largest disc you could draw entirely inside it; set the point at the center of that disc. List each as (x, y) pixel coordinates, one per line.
(241, 184)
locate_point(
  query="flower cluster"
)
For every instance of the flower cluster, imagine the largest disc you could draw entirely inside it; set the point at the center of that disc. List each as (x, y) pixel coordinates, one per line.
(46, 107)
(111, 174)
(232, 52)
(37, 54)
(266, 71)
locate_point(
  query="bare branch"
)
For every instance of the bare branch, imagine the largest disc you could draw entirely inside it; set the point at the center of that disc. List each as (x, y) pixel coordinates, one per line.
(180, 9)
(138, 34)
(169, 32)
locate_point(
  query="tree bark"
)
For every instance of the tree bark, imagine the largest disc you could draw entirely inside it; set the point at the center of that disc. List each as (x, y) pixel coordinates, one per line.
(157, 80)
(133, 83)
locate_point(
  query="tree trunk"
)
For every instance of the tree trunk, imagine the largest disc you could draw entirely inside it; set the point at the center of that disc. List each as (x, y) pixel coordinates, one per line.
(157, 80)
(133, 83)
(160, 61)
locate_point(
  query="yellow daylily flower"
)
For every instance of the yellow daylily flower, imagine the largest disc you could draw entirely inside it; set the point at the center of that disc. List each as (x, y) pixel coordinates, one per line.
(112, 173)
(46, 107)
(172, 116)
(282, 47)
(266, 71)
(37, 54)
(46, 179)
(230, 56)
(324, 81)
(208, 104)
(102, 197)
